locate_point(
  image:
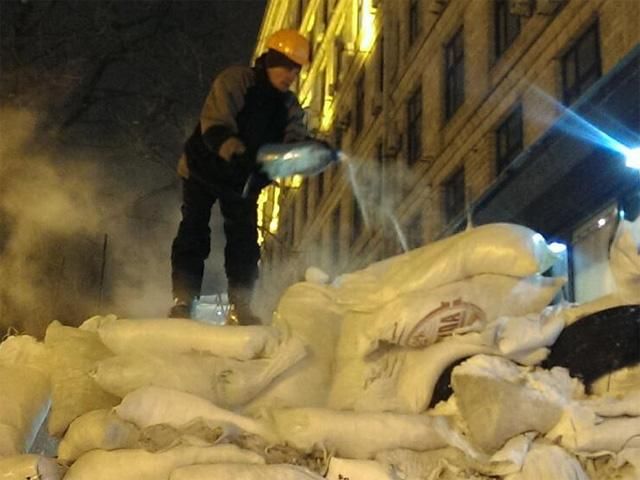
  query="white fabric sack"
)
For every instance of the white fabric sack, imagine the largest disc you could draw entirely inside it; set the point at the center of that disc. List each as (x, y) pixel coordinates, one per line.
(619, 382)
(149, 406)
(433, 464)
(418, 319)
(571, 313)
(627, 405)
(29, 467)
(308, 311)
(580, 430)
(223, 381)
(521, 338)
(353, 435)
(24, 403)
(624, 261)
(142, 465)
(401, 380)
(243, 472)
(549, 461)
(346, 468)
(99, 429)
(73, 354)
(499, 400)
(177, 335)
(499, 248)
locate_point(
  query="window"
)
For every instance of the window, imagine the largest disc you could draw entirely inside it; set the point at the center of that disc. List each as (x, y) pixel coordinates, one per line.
(454, 193)
(454, 55)
(507, 26)
(414, 20)
(581, 65)
(509, 139)
(414, 127)
(359, 107)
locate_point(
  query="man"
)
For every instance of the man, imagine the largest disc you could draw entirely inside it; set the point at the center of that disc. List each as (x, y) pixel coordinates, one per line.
(245, 109)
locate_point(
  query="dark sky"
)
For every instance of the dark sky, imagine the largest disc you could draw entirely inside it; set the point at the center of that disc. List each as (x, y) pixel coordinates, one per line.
(96, 99)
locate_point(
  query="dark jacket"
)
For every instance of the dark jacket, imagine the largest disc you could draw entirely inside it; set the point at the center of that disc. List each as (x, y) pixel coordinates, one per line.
(242, 103)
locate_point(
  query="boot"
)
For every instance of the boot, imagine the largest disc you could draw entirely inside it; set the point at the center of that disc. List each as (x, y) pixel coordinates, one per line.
(181, 308)
(240, 312)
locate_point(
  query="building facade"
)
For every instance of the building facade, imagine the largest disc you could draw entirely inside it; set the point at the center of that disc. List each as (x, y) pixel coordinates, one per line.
(458, 112)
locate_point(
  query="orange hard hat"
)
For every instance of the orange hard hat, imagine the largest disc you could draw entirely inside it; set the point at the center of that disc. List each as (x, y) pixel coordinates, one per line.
(290, 43)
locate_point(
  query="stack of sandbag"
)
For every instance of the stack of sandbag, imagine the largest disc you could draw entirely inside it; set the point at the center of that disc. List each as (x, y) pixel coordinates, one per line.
(401, 314)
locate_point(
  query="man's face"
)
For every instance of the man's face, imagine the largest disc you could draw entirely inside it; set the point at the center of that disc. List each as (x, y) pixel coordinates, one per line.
(282, 77)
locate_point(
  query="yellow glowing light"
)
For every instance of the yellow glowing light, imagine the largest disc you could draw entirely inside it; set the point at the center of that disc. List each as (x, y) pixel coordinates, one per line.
(328, 114)
(367, 26)
(275, 212)
(262, 201)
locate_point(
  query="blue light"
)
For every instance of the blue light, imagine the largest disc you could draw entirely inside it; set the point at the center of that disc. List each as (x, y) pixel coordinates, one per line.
(632, 157)
(557, 247)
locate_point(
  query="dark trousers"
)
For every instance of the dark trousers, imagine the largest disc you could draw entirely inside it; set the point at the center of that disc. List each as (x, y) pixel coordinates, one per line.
(192, 244)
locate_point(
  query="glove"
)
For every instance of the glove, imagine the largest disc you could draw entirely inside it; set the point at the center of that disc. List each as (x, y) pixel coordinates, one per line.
(231, 146)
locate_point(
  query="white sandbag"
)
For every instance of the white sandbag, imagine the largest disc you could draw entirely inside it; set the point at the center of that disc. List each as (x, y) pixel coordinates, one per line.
(580, 430)
(177, 335)
(223, 381)
(25, 394)
(417, 319)
(310, 312)
(29, 467)
(572, 312)
(627, 404)
(549, 461)
(353, 435)
(619, 382)
(519, 338)
(142, 465)
(624, 260)
(434, 464)
(243, 472)
(73, 354)
(401, 380)
(96, 430)
(149, 406)
(499, 400)
(346, 468)
(499, 248)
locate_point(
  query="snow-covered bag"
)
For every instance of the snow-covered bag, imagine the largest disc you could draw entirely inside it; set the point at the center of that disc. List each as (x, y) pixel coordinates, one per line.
(498, 248)
(73, 354)
(25, 393)
(177, 335)
(138, 464)
(351, 434)
(150, 406)
(308, 311)
(401, 380)
(346, 468)
(549, 461)
(619, 382)
(420, 318)
(624, 261)
(29, 467)
(224, 381)
(499, 400)
(96, 430)
(244, 472)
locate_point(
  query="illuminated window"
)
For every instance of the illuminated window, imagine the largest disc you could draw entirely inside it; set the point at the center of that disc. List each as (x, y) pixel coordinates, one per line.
(454, 56)
(507, 26)
(509, 139)
(454, 195)
(581, 65)
(414, 127)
